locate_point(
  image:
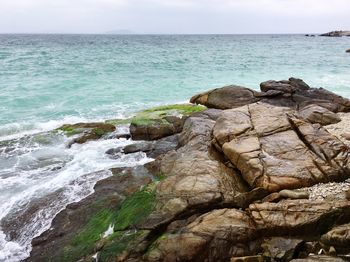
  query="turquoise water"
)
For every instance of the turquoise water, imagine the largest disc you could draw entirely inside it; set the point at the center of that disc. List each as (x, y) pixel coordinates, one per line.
(73, 77)
(48, 80)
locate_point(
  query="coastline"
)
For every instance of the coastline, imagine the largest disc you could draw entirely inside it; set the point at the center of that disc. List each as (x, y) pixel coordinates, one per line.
(183, 197)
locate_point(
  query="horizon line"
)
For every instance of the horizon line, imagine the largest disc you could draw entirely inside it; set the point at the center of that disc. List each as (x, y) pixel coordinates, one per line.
(62, 33)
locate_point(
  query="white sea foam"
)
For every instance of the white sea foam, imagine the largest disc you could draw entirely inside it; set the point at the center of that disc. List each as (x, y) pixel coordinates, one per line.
(34, 175)
(109, 231)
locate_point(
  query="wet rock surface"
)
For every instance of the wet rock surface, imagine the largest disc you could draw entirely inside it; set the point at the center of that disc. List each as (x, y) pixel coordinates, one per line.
(86, 131)
(154, 148)
(109, 194)
(255, 178)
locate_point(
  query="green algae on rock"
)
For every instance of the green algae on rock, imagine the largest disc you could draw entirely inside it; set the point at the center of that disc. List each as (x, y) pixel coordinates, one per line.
(119, 242)
(88, 131)
(135, 208)
(84, 242)
(158, 122)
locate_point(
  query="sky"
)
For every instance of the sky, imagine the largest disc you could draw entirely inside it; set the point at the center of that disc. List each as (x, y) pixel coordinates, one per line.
(174, 16)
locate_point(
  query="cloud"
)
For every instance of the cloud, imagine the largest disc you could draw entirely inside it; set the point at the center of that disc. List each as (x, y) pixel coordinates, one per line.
(174, 16)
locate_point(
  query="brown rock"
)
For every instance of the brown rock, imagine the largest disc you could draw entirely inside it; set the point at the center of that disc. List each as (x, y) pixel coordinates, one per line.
(294, 194)
(195, 176)
(319, 258)
(339, 237)
(214, 236)
(318, 115)
(156, 129)
(346, 136)
(298, 217)
(281, 249)
(347, 51)
(275, 150)
(248, 259)
(273, 197)
(226, 97)
(154, 148)
(293, 93)
(347, 194)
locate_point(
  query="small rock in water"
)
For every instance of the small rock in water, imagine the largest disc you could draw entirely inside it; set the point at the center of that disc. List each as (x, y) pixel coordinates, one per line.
(139, 147)
(114, 153)
(348, 51)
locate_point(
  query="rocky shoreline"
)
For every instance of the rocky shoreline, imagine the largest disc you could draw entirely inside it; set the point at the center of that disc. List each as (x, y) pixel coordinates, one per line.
(244, 176)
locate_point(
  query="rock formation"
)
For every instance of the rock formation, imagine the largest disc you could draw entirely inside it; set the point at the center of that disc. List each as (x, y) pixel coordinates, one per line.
(229, 186)
(336, 33)
(293, 93)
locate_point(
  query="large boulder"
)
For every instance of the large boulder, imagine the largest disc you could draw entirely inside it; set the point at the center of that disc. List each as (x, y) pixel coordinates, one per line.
(299, 217)
(299, 95)
(215, 236)
(319, 115)
(226, 97)
(275, 150)
(195, 176)
(293, 93)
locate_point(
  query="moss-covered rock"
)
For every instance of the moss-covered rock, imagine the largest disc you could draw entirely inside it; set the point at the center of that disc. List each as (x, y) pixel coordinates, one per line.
(159, 114)
(78, 232)
(120, 243)
(117, 122)
(87, 131)
(135, 208)
(158, 122)
(84, 242)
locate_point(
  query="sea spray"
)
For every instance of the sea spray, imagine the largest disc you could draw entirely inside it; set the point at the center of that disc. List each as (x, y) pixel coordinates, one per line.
(41, 180)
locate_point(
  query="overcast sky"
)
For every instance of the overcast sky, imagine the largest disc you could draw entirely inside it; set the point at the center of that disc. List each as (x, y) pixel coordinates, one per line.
(174, 16)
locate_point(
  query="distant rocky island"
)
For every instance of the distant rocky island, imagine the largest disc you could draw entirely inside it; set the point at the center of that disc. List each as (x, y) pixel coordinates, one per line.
(241, 176)
(336, 33)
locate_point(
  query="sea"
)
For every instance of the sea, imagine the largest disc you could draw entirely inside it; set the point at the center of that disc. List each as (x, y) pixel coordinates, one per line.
(50, 80)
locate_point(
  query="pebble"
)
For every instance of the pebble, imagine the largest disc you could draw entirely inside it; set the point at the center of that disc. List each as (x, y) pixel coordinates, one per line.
(330, 190)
